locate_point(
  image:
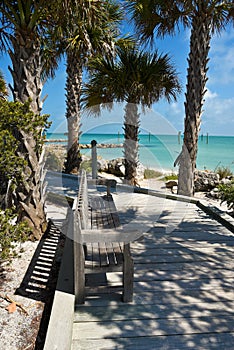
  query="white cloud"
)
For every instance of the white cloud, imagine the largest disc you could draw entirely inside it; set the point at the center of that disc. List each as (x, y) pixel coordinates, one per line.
(218, 114)
(175, 108)
(221, 59)
(210, 95)
(217, 118)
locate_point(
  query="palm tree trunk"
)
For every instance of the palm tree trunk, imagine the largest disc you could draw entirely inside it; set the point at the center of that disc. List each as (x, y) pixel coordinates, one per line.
(29, 194)
(73, 87)
(196, 81)
(26, 73)
(131, 131)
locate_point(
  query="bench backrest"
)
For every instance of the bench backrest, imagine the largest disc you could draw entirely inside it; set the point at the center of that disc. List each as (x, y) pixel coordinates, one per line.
(81, 206)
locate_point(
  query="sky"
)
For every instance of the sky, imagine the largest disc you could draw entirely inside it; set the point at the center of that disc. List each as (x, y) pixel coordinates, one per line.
(218, 109)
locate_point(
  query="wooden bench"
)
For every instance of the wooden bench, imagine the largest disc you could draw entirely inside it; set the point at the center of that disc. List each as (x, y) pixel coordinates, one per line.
(100, 243)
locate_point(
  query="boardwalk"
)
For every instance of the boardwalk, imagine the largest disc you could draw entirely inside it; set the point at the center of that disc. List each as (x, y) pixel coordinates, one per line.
(183, 285)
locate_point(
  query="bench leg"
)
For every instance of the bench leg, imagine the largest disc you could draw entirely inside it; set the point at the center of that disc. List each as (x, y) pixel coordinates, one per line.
(79, 278)
(128, 273)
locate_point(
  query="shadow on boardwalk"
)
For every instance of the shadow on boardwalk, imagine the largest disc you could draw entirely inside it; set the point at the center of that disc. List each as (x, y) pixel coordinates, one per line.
(183, 292)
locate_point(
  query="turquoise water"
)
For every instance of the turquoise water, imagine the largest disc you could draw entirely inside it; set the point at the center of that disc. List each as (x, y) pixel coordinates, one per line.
(160, 151)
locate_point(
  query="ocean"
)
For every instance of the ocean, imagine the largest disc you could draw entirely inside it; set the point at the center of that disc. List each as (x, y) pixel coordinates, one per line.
(160, 151)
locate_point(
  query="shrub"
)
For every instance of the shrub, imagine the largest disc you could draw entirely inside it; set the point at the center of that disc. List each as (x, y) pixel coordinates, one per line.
(86, 165)
(227, 195)
(21, 143)
(151, 174)
(16, 121)
(53, 162)
(224, 172)
(171, 177)
(11, 232)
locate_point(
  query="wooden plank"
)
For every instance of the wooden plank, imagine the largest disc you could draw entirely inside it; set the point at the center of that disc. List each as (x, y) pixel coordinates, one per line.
(192, 274)
(59, 332)
(104, 269)
(144, 288)
(95, 255)
(111, 254)
(103, 256)
(207, 236)
(79, 277)
(128, 272)
(192, 258)
(220, 261)
(164, 286)
(192, 228)
(118, 251)
(144, 244)
(218, 250)
(209, 341)
(113, 210)
(202, 266)
(184, 284)
(155, 311)
(167, 297)
(110, 235)
(152, 327)
(163, 240)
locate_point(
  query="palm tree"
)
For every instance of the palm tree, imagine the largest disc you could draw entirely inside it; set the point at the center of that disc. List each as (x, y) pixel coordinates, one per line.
(204, 18)
(3, 180)
(22, 34)
(3, 87)
(137, 78)
(87, 27)
(24, 24)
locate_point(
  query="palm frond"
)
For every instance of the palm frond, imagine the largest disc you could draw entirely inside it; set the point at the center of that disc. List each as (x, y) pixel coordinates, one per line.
(133, 76)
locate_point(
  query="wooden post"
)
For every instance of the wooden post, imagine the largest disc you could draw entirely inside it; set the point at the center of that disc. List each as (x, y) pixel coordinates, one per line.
(79, 260)
(179, 137)
(94, 159)
(128, 273)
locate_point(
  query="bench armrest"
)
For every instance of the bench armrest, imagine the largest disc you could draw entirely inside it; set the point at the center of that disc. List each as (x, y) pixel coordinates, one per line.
(110, 235)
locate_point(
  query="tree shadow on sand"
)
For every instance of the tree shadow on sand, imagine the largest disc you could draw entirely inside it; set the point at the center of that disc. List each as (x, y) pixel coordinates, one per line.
(39, 281)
